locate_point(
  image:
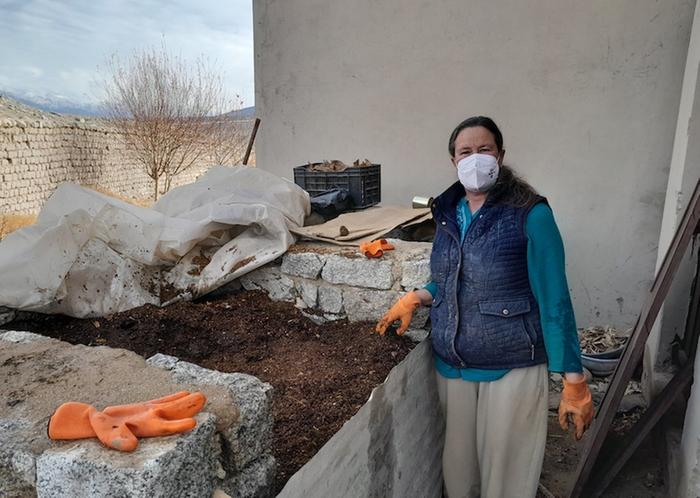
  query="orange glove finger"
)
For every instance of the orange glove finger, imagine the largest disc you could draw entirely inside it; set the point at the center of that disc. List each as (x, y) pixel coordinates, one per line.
(113, 432)
(405, 322)
(170, 397)
(563, 419)
(182, 408)
(159, 427)
(134, 408)
(580, 427)
(382, 325)
(71, 421)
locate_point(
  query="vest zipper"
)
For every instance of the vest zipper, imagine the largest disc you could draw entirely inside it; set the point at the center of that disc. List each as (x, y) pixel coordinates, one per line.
(459, 267)
(532, 352)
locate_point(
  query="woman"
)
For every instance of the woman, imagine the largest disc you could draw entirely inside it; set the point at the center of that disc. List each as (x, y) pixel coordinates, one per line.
(501, 317)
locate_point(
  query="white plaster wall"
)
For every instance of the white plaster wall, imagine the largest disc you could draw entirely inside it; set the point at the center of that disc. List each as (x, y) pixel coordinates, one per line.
(683, 176)
(586, 94)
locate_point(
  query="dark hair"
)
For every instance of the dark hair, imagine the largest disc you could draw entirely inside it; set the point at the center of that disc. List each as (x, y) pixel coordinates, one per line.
(509, 187)
(473, 122)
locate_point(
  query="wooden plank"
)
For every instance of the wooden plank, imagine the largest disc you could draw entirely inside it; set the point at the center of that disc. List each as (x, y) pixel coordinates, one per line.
(692, 324)
(635, 347)
(249, 149)
(607, 470)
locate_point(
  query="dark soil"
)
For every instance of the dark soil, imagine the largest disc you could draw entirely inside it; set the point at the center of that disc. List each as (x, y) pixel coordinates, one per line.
(321, 374)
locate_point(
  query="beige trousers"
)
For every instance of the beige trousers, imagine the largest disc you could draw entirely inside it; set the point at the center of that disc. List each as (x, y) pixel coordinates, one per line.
(495, 434)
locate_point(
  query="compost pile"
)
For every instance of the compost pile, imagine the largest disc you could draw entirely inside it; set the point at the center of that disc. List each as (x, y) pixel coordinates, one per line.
(321, 374)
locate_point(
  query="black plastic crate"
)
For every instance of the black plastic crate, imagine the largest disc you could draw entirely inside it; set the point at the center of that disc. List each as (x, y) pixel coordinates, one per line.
(363, 183)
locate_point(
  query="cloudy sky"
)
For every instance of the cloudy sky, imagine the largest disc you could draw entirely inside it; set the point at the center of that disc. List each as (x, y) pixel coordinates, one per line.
(58, 47)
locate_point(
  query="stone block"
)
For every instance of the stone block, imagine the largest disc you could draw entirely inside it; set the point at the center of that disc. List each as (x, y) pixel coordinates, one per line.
(308, 292)
(330, 299)
(303, 264)
(358, 272)
(367, 305)
(175, 466)
(250, 436)
(416, 335)
(415, 273)
(40, 373)
(278, 286)
(317, 319)
(255, 480)
(20, 336)
(420, 317)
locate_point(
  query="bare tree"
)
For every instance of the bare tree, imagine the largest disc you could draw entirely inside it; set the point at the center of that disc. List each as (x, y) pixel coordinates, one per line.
(165, 109)
(229, 135)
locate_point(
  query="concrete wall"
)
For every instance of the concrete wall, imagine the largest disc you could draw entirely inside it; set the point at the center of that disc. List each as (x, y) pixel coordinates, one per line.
(684, 175)
(586, 94)
(39, 150)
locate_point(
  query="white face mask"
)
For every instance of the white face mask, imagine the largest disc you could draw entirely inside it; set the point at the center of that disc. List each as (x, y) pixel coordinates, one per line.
(478, 172)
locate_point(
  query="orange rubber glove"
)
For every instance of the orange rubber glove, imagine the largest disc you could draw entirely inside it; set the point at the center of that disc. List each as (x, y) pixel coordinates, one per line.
(402, 310)
(118, 427)
(375, 249)
(576, 401)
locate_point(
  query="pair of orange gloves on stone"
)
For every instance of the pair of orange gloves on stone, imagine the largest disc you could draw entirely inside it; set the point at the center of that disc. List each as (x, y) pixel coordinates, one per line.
(118, 427)
(576, 401)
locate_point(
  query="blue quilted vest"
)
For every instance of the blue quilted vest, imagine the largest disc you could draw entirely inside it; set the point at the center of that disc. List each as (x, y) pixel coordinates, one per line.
(484, 314)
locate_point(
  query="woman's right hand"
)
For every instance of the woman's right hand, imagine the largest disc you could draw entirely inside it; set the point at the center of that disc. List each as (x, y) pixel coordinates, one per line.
(402, 310)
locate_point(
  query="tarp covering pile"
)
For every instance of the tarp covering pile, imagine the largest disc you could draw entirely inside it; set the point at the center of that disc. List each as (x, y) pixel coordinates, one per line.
(92, 255)
(349, 229)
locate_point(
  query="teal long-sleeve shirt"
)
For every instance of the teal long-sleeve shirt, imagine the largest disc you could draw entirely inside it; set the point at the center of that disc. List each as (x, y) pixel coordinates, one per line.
(545, 264)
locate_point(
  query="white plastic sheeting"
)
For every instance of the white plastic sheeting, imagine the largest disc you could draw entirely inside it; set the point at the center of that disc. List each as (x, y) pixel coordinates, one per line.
(91, 255)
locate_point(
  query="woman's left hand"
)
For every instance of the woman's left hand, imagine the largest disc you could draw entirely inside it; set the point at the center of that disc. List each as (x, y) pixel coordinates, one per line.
(577, 403)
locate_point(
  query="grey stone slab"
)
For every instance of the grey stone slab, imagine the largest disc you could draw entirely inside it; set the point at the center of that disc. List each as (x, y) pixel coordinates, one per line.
(330, 299)
(40, 373)
(250, 436)
(415, 273)
(332, 317)
(365, 304)
(20, 336)
(317, 319)
(269, 278)
(309, 293)
(303, 264)
(255, 480)
(416, 335)
(167, 467)
(358, 272)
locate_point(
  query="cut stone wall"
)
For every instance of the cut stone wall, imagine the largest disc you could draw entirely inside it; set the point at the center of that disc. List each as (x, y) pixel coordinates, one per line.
(40, 150)
(331, 283)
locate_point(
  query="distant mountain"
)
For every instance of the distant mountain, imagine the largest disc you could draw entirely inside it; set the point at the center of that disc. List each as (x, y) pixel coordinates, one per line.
(63, 105)
(55, 103)
(245, 113)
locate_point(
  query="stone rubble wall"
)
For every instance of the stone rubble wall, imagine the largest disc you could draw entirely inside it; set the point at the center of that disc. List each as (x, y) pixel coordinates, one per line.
(39, 150)
(331, 283)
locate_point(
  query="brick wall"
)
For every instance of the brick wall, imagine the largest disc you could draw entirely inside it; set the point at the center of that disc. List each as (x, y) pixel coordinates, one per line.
(39, 150)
